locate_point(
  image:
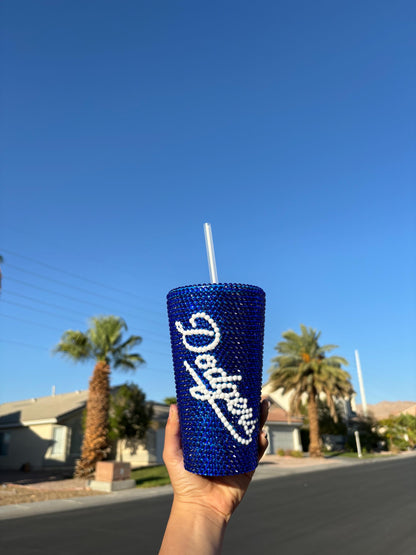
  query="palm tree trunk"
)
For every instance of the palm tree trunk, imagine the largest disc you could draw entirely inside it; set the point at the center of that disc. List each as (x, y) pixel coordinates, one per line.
(95, 446)
(314, 445)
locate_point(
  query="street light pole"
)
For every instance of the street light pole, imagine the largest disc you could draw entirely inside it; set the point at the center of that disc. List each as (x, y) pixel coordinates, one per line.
(361, 383)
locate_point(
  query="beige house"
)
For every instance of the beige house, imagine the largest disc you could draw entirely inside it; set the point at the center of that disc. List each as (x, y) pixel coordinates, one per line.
(283, 429)
(46, 433)
(283, 436)
(346, 407)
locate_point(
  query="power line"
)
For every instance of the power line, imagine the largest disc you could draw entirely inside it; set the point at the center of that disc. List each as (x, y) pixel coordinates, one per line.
(146, 333)
(156, 370)
(71, 274)
(26, 307)
(69, 297)
(82, 290)
(39, 324)
(143, 348)
(20, 344)
(46, 303)
(29, 322)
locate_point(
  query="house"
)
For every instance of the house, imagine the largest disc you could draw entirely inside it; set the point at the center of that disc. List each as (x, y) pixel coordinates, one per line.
(346, 407)
(283, 430)
(46, 433)
(149, 450)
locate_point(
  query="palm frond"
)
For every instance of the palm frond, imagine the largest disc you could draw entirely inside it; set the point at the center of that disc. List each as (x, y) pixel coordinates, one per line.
(336, 361)
(327, 348)
(302, 367)
(128, 362)
(131, 342)
(74, 345)
(102, 341)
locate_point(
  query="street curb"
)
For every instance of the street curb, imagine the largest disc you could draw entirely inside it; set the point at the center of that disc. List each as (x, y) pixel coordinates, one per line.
(59, 505)
(264, 472)
(274, 471)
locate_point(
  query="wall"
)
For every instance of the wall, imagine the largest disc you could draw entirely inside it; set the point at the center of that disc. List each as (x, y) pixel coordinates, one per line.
(144, 452)
(27, 445)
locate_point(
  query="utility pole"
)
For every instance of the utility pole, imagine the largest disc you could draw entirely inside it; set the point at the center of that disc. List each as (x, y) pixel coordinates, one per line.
(361, 383)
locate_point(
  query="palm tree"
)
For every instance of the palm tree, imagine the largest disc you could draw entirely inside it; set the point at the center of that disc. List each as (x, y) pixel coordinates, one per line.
(304, 369)
(102, 342)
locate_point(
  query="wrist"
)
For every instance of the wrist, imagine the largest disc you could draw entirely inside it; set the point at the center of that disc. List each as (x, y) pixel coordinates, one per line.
(193, 528)
(195, 510)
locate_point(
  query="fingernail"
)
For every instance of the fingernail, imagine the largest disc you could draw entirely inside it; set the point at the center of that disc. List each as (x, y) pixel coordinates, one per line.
(173, 413)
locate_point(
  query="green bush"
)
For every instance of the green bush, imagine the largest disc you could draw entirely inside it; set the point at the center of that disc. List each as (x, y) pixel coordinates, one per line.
(369, 437)
(289, 453)
(399, 432)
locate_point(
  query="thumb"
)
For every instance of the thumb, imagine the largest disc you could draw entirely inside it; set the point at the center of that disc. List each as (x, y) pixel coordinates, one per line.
(172, 451)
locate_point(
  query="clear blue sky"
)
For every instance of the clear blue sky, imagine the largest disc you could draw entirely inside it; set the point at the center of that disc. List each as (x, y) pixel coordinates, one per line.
(290, 126)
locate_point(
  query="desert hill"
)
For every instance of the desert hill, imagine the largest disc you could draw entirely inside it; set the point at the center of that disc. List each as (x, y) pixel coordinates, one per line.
(384, 409)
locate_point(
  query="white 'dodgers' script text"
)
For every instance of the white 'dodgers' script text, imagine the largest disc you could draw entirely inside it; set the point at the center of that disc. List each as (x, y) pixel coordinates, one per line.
(220, 384)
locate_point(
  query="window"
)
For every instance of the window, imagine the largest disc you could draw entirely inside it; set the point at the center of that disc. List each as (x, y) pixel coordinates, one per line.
(58, 437)
(76, 439)
(4, 443)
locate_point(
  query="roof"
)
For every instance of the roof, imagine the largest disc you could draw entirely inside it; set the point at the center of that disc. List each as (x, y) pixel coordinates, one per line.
(41, 408)
(55, 407)
(160, 411)
(278, 414)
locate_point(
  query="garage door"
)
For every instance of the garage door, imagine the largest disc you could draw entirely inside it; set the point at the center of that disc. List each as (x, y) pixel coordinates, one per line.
(282, 439)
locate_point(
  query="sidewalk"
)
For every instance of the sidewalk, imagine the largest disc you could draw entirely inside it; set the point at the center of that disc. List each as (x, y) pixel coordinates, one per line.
(272, 466)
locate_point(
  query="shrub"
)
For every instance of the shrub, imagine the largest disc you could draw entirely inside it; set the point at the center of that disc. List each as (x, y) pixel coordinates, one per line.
(297, 454)
(281, 452)
(399, 432)
(369, 437)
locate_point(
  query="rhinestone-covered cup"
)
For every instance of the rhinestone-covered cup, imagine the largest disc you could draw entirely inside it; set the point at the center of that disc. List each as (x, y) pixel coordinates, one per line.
(216, 334)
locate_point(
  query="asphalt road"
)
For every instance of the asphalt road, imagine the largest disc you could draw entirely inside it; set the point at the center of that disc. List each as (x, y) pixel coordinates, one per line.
(362, 509)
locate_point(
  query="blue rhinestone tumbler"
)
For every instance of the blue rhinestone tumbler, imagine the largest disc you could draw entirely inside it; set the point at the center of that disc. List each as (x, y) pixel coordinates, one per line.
(216, 334)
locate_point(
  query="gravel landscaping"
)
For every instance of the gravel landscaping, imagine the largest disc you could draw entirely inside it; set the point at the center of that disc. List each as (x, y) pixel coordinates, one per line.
(21, 487)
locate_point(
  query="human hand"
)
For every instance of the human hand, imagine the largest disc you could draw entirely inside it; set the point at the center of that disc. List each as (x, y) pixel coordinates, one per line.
(218, 496)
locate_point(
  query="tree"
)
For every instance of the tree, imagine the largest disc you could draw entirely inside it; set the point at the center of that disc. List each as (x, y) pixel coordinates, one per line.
(129, 415)
(366, 426)
(102, 342)
(169, 400)
(327, 423)
(399, 431)
(303, 369)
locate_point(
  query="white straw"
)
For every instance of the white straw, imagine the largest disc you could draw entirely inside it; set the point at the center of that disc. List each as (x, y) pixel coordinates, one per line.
(209, 243)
